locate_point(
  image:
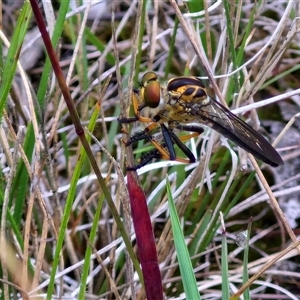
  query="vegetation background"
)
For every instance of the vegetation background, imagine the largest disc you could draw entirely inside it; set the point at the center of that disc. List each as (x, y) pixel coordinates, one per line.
(59, 238)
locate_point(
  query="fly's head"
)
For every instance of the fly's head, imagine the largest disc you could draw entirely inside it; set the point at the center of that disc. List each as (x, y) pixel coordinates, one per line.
(150, 90)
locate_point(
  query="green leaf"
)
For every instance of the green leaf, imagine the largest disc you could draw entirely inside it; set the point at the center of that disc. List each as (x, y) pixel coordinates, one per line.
(13, 55)
(184, 260)
(225, 275)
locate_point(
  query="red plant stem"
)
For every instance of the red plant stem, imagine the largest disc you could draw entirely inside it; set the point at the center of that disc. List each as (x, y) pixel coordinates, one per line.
(144, 238)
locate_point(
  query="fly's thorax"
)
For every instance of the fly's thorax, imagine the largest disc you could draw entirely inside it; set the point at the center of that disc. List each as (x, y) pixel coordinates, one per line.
(183, 113)
(173, 113)
(187, 89)
(163, 115)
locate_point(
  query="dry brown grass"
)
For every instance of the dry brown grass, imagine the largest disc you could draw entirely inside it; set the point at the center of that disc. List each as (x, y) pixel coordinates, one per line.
(34, 201)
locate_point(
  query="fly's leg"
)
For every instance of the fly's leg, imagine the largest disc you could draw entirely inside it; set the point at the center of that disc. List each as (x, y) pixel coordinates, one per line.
(166, 151)
(142, 135)
(145, 159)
(193, 128)
(136, 108)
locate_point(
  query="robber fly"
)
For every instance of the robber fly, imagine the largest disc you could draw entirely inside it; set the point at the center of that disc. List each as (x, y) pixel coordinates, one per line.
(149, 96)
(186, 101)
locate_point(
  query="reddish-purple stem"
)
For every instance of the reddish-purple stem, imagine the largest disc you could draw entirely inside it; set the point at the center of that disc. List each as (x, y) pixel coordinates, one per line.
(56, 67)
(144, 238)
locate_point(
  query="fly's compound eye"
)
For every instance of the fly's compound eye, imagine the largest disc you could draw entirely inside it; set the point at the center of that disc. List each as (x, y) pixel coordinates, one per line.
(150, 90)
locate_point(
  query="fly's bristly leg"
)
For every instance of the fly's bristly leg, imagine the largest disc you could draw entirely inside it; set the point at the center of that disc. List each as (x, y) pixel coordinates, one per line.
(127, 120)
(192, 128)
(183, 147)
(164, 151)
(138, 105)
(145, 159)
(160, 152)
(139, 136)
(142, 135)
(168, 141)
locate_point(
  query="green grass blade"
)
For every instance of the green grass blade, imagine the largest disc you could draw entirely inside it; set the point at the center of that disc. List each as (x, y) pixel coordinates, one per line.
(13, 54)
(195, 6)
(236, 86)
(193, 247)
(171, 51)
(21, 181)
(225, 273)
(89, 250)
(185, 265)
(141, 34)
(245, 263)
(91, 37)
(58, 29)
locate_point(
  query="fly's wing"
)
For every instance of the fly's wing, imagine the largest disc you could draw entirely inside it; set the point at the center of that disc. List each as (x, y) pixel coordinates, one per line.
(229, 125)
